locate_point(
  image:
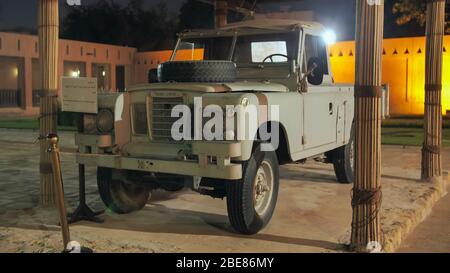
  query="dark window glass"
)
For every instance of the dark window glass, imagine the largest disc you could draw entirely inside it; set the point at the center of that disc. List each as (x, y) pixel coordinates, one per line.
(315, 47)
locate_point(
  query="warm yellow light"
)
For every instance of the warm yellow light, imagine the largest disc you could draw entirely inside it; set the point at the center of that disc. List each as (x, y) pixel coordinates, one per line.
(16, 72)
(403, 71)
(104, 73)
(75, 74)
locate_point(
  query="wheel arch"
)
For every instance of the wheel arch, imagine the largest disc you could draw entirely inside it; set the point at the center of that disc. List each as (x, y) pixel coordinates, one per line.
(283, 149)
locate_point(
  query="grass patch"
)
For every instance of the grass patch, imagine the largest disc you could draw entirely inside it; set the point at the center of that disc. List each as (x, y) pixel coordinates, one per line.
(409, 123)
(409, 136)
(31, 124)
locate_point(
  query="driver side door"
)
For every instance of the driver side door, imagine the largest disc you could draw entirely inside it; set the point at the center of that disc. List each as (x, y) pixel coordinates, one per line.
(320, 109)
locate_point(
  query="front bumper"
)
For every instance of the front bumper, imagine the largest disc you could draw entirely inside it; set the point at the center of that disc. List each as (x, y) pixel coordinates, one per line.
(214, 159)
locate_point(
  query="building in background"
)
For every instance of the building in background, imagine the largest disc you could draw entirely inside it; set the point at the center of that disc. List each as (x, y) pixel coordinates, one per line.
(403, 72)
(19, 69)
(118, 67)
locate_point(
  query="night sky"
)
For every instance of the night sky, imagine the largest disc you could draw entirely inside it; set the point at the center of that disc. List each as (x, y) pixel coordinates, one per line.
(22, 13)
(338, 15)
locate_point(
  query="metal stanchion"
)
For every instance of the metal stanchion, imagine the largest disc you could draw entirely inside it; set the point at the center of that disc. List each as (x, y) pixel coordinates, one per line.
(69, 247)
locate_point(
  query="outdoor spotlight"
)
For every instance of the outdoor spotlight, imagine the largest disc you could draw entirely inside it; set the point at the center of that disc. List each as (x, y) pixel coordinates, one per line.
(329, 37)
(104, 73)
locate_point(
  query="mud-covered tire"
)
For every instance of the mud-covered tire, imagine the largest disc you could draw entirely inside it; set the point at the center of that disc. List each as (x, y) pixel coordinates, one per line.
(197, 71)
(245, 216)
(118, 196)
(343, 161)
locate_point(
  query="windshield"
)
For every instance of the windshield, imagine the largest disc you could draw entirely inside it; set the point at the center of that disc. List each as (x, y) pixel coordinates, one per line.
(248, 49)
(218, 48)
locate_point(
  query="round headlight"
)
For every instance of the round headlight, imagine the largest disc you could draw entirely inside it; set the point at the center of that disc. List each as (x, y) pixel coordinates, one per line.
(245, 102)
(105, 121)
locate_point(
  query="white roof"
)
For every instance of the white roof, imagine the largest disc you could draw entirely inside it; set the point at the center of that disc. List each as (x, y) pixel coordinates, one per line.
(259, 24)
(273, 24)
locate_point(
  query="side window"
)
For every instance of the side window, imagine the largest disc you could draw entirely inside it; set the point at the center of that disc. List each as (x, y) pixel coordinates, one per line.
(315, 47)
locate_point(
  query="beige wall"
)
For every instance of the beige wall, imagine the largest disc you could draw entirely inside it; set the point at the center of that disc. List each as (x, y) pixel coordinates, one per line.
(25, 48)
(403, 71)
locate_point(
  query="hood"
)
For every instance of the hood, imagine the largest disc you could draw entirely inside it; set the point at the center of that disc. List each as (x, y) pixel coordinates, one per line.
(243, 86)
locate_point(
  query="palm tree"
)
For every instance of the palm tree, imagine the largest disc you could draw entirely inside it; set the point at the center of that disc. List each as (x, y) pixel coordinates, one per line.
(415, 10)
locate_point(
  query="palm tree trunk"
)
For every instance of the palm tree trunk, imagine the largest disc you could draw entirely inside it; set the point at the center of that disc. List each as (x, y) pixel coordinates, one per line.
(48, 28)
(431, 152)
(366, 199)
(221, 13)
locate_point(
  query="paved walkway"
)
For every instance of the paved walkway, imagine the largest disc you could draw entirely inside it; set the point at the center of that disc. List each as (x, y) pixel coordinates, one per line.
(313, 213)
(433, 235)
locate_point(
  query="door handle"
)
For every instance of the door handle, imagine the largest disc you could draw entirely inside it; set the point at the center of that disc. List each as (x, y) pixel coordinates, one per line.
(330, 108)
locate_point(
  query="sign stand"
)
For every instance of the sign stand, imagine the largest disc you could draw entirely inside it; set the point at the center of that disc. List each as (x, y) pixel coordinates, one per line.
(83, 212)
(79, 95)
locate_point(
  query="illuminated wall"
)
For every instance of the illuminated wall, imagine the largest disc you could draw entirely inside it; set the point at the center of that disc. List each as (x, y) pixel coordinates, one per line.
(144, 61)
(403, 70)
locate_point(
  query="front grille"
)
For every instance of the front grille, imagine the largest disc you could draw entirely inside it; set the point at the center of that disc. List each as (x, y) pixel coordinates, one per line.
(140, 119)
(161, 110)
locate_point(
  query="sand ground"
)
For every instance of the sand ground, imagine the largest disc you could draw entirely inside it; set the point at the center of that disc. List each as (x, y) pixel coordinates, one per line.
(313, 213)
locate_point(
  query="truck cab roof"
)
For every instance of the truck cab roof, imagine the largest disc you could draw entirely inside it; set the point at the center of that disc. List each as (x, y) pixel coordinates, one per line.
(260, 25)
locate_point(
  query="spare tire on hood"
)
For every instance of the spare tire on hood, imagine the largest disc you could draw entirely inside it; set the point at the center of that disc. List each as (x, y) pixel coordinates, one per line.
(197, 71)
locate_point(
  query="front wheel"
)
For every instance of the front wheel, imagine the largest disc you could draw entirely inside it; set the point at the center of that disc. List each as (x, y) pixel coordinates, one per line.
(251, 201)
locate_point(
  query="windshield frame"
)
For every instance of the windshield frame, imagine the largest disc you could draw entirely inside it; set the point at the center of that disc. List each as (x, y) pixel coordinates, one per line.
(236, 34)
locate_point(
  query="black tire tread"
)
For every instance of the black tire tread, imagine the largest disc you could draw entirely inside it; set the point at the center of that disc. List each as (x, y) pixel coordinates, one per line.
(104, 180)
(237, 202)
(341, 161)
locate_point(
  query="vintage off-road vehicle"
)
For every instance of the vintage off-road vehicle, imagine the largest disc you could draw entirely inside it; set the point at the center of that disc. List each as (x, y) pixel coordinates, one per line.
(262, 63)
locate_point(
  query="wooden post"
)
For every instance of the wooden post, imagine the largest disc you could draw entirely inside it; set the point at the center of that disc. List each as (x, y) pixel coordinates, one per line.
(221, 13)
(48, 28)
(366, 199)
(431, 151)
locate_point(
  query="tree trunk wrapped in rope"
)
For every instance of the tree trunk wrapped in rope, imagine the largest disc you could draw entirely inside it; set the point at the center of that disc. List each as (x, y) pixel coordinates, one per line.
(48, 28)
(366, 196)
(221, 13)
(431, 152)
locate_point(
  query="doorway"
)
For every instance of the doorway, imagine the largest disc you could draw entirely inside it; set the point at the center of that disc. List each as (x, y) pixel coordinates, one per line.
(120, 78)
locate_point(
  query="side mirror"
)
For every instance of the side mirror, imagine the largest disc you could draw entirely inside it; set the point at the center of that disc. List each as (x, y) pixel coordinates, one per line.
(153, 75)
(315, 71)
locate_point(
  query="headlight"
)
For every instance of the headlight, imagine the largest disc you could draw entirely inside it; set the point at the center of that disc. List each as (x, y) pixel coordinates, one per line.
(245, 102)
(105, 121)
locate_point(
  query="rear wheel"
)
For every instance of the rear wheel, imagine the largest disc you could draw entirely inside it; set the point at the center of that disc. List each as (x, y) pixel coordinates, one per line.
(343, 161)
(118, 195)
(251, 201)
